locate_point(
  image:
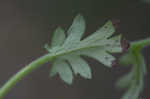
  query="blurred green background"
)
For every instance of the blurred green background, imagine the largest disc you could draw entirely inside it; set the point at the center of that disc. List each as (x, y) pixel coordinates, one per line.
(26, 25)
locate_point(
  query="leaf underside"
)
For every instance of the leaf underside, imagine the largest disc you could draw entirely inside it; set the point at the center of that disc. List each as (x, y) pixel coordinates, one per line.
(68, 50)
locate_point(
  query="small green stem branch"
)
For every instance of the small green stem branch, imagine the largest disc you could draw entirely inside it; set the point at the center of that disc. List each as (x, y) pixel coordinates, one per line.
(23, 72)
(141, 44)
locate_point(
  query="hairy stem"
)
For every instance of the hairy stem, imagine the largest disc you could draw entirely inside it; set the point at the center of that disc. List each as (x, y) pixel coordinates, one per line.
(23, 72)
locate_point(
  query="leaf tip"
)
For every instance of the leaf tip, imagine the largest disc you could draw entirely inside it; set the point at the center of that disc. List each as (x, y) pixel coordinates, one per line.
(79, 15)
(89, 76)
(69, 82)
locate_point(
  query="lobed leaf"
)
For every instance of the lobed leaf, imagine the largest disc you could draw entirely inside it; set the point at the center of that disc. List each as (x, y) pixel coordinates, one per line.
(76, 30)
(63, 69)
(99, 54)
(58, 37)
(114, 45)
(79, 66)
(98, 46)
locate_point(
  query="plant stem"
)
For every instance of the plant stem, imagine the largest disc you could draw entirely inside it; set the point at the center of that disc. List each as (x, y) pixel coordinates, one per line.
(23, 72)
(142, 43)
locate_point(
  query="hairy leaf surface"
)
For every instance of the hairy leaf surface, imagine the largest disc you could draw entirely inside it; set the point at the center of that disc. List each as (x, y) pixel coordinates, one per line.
(99, 45)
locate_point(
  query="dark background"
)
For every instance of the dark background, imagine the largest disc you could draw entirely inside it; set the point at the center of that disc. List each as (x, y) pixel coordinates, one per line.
(26, 25)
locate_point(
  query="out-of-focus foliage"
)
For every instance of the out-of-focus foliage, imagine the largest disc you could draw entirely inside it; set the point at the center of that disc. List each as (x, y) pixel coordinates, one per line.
(134, 80)
(146, 1)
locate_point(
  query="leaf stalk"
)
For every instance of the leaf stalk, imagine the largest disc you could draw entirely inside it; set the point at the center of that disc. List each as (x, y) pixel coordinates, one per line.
(23, 72)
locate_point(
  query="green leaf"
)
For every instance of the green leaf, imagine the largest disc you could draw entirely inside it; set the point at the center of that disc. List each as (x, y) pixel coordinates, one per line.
(127, 59)
(79, 66)
(101, 34)
(76, 30)
(142, 63)
(134, 90)
(98, 46)
(58, 37)
(132, 93)
(64, 71)
(47, 47)
(99, 54)
(134, 80)
(113, 46)
(126, 80)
